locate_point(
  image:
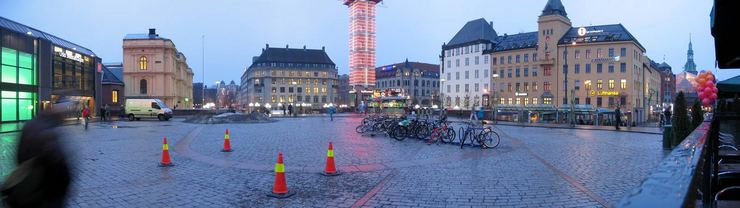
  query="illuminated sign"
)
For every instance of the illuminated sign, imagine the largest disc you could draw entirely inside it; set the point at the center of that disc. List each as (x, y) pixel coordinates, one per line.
(604, 93)
(520, 94)
(582, 31)
(68, 54)
(606, 60)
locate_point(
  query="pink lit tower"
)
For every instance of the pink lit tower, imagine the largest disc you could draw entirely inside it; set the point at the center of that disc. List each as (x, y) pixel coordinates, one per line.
(361, 43)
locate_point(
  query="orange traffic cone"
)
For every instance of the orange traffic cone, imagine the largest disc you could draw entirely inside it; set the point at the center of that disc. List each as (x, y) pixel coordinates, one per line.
(227, 144)
(280, 189)
(165, 155)
(330, 169)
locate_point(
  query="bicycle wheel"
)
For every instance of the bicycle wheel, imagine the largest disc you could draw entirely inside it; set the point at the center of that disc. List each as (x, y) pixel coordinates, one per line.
(398, 133)
(448, 136)
(490, 139)
(360, 129)
(422, 132)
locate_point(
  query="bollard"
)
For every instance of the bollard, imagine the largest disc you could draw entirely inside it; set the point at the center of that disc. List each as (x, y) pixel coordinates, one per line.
(667, 136)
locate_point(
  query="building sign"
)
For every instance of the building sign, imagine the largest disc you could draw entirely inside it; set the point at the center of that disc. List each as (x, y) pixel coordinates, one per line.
(520, 94)
(605, 60)
(68, 54)
(604, 93)
(582, 31)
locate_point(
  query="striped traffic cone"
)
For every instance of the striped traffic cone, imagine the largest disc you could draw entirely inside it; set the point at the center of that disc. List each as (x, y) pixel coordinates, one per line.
(280, 188)
(331, 169)
(227, 144)
(165, 155)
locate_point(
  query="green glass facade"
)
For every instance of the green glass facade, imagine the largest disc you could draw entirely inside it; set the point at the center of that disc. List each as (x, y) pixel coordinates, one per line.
(19, 71)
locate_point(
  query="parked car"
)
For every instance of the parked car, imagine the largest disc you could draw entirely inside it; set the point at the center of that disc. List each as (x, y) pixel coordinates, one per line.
(147, 108)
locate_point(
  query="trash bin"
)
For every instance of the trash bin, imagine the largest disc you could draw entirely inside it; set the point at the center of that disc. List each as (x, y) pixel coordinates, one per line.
(667, 136)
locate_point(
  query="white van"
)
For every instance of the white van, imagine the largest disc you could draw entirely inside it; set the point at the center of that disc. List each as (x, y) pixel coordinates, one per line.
(147, 108)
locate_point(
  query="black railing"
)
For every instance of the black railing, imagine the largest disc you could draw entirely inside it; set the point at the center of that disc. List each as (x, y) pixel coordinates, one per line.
(682, 177)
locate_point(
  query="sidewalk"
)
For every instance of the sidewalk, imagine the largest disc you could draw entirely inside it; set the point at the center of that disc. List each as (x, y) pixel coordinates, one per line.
(644, 130)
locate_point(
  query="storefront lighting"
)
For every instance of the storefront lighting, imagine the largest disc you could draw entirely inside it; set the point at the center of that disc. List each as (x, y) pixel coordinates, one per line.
(257, 105)
(417, 106)
(251, 104)
(30, 107)
(268, 106)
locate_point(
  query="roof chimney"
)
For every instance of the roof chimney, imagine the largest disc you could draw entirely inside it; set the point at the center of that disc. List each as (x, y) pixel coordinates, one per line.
(286, 46)
(304, 47)
(491, 23)
(152, 31)
(323, 48)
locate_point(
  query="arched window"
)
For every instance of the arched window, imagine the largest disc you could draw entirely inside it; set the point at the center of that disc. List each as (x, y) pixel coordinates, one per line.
(142, 86)
(142, 63)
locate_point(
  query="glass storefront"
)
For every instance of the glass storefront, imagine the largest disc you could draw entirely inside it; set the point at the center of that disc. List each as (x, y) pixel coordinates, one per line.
(74, 80)
(18, 96)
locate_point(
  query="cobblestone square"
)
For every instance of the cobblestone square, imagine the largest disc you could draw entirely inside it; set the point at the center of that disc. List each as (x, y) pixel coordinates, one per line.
(116, 165)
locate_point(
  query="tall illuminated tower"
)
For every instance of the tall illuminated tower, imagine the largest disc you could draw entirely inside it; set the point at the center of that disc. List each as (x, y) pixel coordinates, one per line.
(362, 42)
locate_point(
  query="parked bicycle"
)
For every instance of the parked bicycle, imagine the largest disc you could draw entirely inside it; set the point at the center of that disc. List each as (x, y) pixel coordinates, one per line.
(441, 131)
(483, 136)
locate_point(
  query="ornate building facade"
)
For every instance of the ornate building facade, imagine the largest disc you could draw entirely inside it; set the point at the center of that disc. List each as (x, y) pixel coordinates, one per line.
(154, 68)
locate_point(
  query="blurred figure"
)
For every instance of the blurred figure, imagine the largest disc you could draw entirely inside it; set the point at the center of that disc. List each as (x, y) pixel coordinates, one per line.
(86, 115)
(42, 175)
(331, 112)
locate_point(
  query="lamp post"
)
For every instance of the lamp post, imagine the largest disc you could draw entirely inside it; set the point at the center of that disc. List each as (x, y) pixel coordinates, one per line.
(565, 87)
(493, 94)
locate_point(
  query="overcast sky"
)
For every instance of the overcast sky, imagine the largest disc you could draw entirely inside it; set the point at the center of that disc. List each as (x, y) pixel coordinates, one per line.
(414, 29)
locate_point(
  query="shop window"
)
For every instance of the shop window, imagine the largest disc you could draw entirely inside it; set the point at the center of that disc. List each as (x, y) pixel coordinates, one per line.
(9, 104)
(9, 74)
(142, 86)
(143, 63)
(114, 96)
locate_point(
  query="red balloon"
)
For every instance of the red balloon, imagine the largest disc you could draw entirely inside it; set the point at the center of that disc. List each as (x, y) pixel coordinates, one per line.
(709, 83)
(701, 80)
(707, 90)
(706, 101)
(715, 90)
(713, 96)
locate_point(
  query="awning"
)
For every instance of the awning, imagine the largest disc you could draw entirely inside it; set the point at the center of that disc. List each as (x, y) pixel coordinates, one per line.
(729, 86)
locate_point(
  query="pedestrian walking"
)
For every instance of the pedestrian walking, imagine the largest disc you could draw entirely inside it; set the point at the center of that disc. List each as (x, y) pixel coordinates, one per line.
(331, 112)
(102, 113)
(290, 110)
(86, 116)
(285, 109)
(42, 174)
(617, 118)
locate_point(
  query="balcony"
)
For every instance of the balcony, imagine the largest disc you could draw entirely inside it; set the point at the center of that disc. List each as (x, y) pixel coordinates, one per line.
(550, 61)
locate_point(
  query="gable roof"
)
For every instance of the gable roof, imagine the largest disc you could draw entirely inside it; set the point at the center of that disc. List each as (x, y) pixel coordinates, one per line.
(109, 77)
(554, 7)
(24, 29)
(516, 41)
(474, 31)
(294, 55)
(115, 68)
(604, 33)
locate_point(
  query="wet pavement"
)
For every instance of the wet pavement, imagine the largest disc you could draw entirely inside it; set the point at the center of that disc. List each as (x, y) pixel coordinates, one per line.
(116, 165)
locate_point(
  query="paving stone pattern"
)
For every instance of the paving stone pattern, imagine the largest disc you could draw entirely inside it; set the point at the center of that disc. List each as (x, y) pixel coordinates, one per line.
(533, 167)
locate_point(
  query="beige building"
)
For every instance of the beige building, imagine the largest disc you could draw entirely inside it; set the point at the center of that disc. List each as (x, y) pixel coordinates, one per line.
(539, 75)
(153, 68)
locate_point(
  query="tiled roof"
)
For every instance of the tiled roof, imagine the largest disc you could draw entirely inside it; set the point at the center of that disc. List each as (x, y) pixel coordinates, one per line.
(21, 28)
(293, 55)
(475, 30)
(109, 77)
(116, 69)
(554, 7)
(599, 33)
(516, 41)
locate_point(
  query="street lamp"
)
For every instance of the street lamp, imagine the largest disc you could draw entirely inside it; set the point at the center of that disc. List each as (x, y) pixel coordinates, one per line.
(571, 114)
(493, 97)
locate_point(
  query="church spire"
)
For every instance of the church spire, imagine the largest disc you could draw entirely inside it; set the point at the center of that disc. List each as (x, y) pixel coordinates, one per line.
(690, 66)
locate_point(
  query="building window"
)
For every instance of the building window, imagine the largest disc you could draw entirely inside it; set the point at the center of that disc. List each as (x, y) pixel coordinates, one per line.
(526, 58)
(467, 88)
(623, 100)
(623, 52)
(611, 52)
(578, 54)
(588, 68)
(546, 86)
(547, 101)
(534, 57)
(449, 63)
(534, 86)
(485, 73)
(114, 96)
(508, 73)
(526, 71)
(476, 74)
(611, 67)
(598, 102)
(508, 86)
(143, 63)
(509, 60)
(599, 68)
(599, 84)
(457, 62)
(588, 101)
(588, 53)
(142, 86)
(500, 60)
(623, 84)
(577, 69)
(517, 72)
(599, 53)
(475, 86)
(577, 84)
(622, 67)
(476, 59)
(485, 60)
(548, 71)
(467, 74)
(587, 84)
(517, 58)
(535, 101)
(611, 84)
(467, 61)
(534, 72)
